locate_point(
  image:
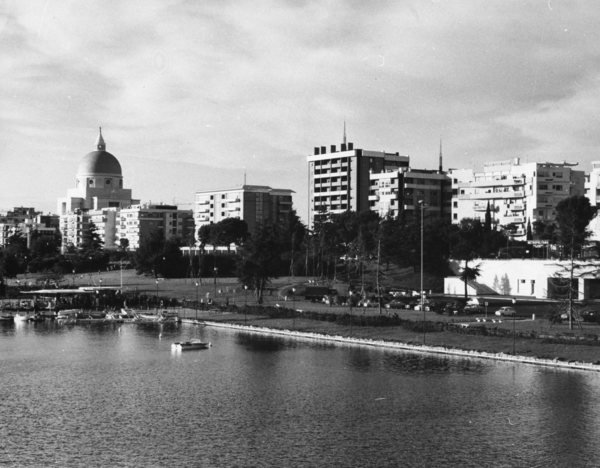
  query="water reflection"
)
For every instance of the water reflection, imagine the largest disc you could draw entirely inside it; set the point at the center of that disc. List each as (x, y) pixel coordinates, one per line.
(117, 396)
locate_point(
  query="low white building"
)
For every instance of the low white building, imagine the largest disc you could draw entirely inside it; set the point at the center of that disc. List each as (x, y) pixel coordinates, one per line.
(533, 278)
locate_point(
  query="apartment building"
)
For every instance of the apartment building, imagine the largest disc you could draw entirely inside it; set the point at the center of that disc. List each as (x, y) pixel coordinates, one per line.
(592, 184)
(516, 193)
(254, 204)
(137, 221)
(403, 190)
(339, 179)
(26, 221)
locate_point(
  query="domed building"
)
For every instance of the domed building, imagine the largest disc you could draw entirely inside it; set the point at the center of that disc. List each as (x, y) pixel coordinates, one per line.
(97, 196)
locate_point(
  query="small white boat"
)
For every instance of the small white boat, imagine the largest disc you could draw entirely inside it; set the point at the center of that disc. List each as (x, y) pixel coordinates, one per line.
(190, 345)
(21, 317)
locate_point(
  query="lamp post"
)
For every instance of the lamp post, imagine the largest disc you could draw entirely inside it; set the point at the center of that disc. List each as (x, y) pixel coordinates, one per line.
(294, 305)
(73, 278)
(350, 302)
(215, 271)
(156, 297)
(514, 301)
(100, 294)
(196, 300)
(245, 303)
(421, 291)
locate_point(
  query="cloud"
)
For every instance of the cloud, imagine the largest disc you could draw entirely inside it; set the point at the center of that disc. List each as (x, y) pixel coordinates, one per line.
(216, 88)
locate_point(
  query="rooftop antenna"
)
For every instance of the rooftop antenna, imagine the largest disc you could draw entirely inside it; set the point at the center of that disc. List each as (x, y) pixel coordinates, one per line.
(440, 154)
(344, 132)
(244, 177)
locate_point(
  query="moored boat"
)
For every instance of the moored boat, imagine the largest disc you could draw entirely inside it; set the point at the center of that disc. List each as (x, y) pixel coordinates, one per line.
(7, 317)
(190, 345)
(161, 317)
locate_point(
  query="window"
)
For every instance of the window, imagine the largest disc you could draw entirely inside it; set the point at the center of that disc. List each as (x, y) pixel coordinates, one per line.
(107, 181)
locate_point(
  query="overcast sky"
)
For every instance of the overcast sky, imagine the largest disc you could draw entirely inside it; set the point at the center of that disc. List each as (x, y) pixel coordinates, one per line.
(192, 94)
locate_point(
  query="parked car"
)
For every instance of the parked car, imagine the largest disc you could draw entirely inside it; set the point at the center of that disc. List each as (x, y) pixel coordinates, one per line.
(504, 311)
(472, 309)
(590, 315)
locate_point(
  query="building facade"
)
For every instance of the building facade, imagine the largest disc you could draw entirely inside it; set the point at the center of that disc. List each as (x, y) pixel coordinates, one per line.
(340, 180)
(26, 221)
(592, 184)
(255, 204)
(403, 190)
(138, 221)
(517, 194)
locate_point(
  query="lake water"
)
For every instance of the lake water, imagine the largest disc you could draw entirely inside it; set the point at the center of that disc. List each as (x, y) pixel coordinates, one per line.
(117, 396)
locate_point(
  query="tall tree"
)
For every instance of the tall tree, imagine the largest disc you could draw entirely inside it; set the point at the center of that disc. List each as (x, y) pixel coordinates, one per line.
(260, 258)
(573, 215)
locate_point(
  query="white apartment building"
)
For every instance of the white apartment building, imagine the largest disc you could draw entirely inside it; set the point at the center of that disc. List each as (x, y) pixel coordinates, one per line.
(254, 204)
(516, 193)
(137, 221)
(340, 180)
(403, 189)
(592, 184)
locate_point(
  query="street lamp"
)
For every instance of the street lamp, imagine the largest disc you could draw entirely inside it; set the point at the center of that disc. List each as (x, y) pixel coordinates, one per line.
(196, 301)
(422, 204)
(294, 305)
(215, 271)
(350, 302)
(514, 301)
(156, 298)
(100, 294)
(245, 303)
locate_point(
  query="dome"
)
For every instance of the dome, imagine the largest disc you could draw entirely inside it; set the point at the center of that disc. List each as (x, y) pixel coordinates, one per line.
(99, 162)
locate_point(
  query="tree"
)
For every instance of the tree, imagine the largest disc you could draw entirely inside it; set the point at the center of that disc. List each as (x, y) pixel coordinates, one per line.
(229, 231)
(469, 274)
(91, 243)
(260, 258)
(466, 241)
(149, 252)
(573, 215)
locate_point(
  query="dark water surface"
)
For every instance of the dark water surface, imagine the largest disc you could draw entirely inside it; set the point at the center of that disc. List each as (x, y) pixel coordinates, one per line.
(117, 396)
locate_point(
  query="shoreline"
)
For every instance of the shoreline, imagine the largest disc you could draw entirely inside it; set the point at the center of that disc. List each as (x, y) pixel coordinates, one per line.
(424, 349)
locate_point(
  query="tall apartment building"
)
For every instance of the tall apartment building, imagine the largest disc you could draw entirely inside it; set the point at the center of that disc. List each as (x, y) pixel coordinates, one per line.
(402, 191)
(255, 204)
(516, 193)
(340, 180)
(137, 221)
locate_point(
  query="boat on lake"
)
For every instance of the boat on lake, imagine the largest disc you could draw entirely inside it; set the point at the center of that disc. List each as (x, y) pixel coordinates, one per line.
(7, 317)
(21, 317)
(190, 345)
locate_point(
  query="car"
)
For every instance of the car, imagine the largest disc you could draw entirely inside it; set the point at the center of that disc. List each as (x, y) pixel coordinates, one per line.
(506, 310)
(472, 309)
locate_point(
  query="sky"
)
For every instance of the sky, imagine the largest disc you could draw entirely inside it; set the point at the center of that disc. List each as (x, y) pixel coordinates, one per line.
(202, 95)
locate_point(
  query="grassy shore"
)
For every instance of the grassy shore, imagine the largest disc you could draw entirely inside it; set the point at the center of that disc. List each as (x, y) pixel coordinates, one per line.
(492, 344)
(229, 290)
